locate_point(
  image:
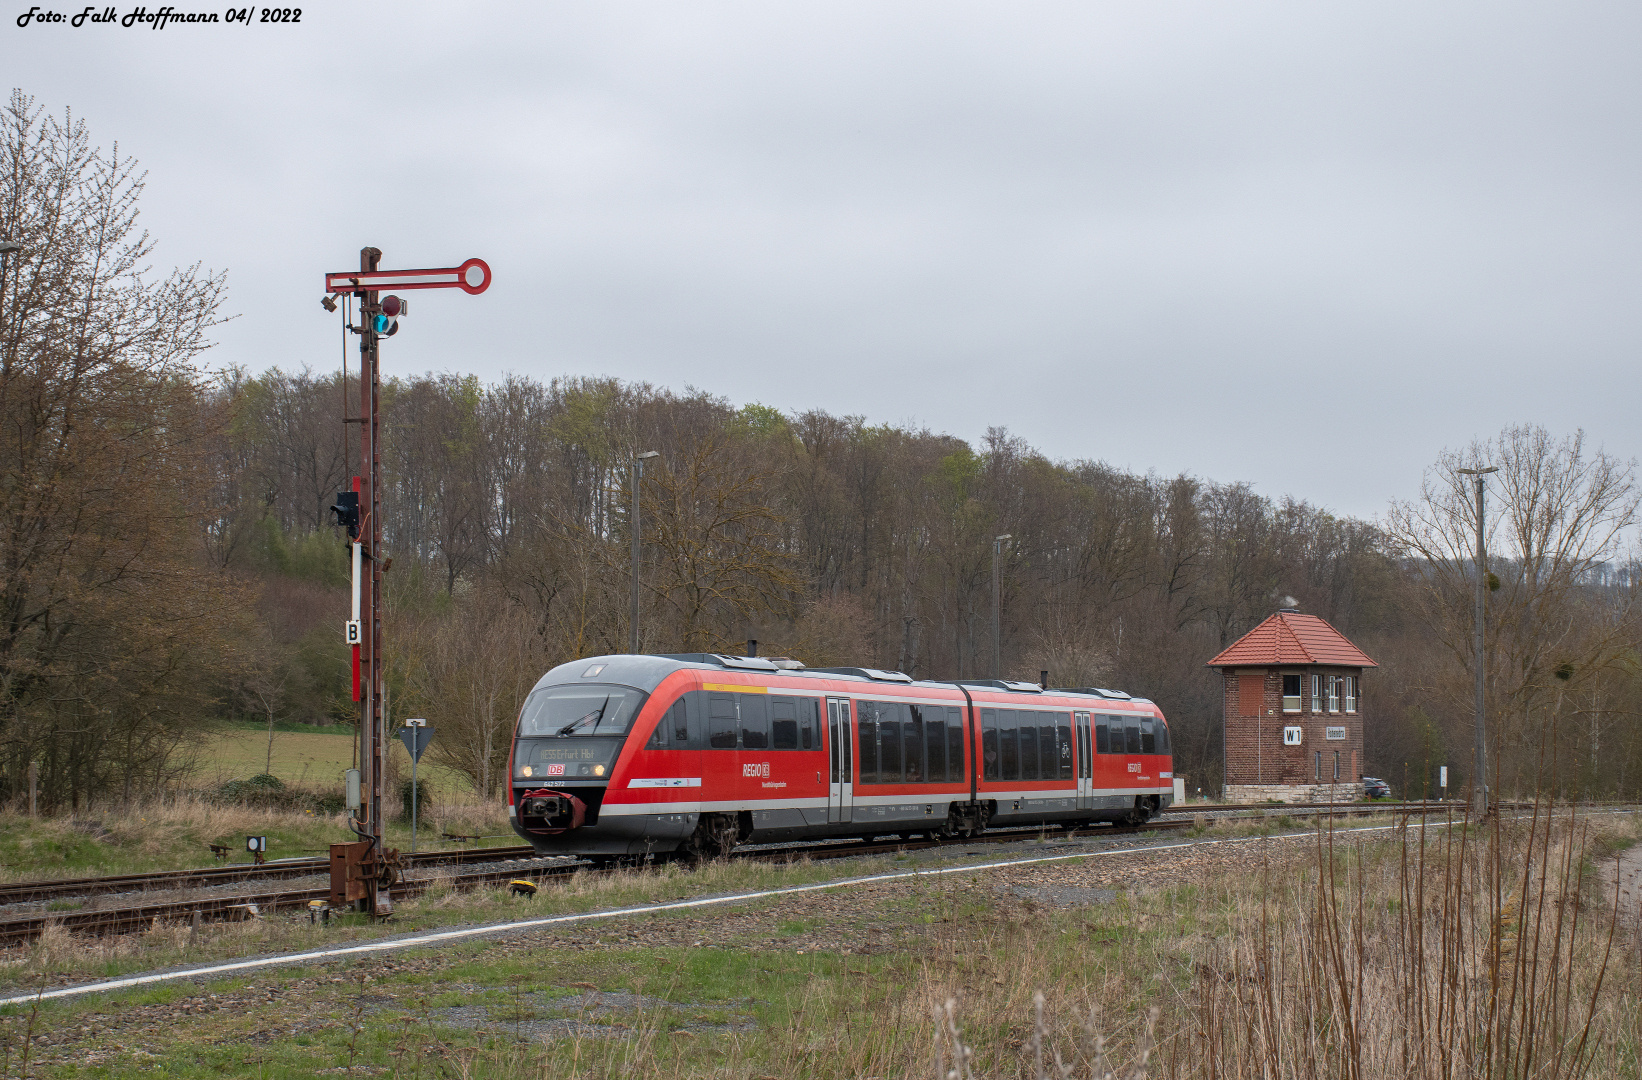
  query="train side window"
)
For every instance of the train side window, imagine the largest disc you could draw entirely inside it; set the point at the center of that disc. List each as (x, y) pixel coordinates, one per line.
(658, 737)
(1148, 741)
(721, 721)
(889, 742)
(989, 743)
(1103, 743)
(678, 718)
(755, 722)
(868, 736)
(1163, 746)
(1065, 744)
(1046, 746)
(912, 717)
(935, 740)
(783, 723)
(832, 736)
(809, 722)
(955, 744)
(1029, 745)
(1009, 747)
(1131, 734)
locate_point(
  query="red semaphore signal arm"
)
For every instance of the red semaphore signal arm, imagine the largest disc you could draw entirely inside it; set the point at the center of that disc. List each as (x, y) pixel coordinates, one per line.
(472, 277)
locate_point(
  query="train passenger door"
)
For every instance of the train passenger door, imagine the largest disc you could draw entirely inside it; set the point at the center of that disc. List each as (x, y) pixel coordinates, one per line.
(841, 788)
(1086, 758)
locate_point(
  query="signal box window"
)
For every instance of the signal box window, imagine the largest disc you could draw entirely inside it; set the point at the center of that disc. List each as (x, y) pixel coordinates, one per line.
(1291, 693)
(1317, 693)
(1333, 693)
(1350, 692)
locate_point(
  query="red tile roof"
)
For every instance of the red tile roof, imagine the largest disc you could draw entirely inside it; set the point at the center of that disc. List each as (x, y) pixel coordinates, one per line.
(1291, 638)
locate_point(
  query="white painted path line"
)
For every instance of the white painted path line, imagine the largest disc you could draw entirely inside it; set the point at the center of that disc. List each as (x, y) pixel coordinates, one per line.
(443, 936)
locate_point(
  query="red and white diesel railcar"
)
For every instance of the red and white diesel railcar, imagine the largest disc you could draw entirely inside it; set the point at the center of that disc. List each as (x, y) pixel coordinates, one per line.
(620, 756)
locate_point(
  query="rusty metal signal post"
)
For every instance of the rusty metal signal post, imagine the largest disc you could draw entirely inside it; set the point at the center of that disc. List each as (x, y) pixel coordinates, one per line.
(363, 872)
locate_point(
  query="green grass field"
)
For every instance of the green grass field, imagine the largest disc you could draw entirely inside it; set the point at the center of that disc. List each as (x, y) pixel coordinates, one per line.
(309, 756)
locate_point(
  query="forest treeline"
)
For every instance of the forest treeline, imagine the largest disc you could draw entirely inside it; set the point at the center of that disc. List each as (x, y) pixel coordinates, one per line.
(169, 561)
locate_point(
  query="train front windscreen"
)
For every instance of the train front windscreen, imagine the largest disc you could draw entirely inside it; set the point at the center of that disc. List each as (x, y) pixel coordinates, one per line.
(574, 732)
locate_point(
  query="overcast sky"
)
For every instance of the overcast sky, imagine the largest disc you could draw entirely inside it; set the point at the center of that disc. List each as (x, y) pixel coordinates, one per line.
(1303, 245)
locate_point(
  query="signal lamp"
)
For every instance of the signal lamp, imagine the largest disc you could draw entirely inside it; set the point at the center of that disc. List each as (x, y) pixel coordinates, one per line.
(387, 323)
(345, 512)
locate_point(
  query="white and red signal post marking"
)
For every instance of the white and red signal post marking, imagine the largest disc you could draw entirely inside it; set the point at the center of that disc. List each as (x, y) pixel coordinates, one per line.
(472, 277)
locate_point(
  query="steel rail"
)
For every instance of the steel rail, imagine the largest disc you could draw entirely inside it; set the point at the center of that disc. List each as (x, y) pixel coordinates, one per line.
(38, 891)
(251, 904)
(22, 892)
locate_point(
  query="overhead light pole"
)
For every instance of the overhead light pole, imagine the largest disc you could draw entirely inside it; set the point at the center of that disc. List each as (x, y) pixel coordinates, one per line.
(6, 248)
(633, 615)
(1479, 786)
(997, 599)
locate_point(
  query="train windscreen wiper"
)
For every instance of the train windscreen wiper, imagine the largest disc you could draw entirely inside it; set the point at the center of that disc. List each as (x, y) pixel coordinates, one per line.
(592, 717)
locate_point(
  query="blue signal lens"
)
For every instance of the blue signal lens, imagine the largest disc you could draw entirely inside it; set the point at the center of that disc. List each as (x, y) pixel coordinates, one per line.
(383, 324)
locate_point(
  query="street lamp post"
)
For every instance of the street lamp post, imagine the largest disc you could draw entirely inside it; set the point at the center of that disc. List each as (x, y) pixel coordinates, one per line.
(997, 593)
(6, 248)
(633, 615)
(1479, 786)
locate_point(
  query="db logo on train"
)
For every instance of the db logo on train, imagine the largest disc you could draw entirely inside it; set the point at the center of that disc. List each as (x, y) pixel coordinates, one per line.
(757, 768)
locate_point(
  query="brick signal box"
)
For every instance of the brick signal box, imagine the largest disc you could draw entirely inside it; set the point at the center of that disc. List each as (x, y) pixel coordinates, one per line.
(1294, 725)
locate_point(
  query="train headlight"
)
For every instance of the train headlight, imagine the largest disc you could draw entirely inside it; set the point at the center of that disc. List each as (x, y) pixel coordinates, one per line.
(525, 770)
(598, 770)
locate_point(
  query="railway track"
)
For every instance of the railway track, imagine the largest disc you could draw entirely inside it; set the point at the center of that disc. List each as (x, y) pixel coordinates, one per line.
(23, 892)
(251, 904)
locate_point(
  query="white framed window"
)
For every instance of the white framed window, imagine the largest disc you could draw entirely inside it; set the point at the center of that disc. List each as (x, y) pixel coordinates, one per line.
(1334, 734)
(1291, 693)
(1333, 693)
(1351, 692)
(1317, 693)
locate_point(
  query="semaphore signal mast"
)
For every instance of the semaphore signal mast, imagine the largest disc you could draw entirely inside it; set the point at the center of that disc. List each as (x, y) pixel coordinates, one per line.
(363, 872)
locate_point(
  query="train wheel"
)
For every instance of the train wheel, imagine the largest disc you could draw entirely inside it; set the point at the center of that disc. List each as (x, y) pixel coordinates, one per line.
(715, 837)
(1140, 813)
